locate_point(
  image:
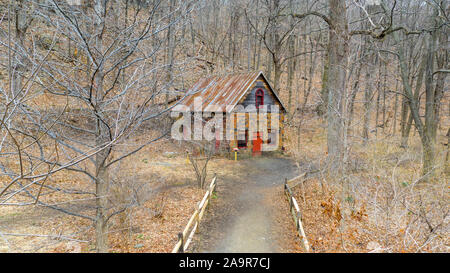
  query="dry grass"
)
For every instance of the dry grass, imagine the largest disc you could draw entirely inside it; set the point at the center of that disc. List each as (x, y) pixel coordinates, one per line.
(379, 204)
(158, 176)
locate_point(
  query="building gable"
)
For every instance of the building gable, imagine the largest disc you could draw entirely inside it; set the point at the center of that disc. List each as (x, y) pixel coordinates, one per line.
(269, 96)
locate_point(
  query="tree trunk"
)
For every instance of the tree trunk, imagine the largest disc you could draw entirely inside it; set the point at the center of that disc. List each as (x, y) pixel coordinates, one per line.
(419, 81)
(367, 106)
(289, 83)
(101, 188)
(22, 21)
(403, 121)
(428, 140)
(355, 89)
(291, 50)
(101, 175)
(447, 156)
(441, 62)
(384, 98)
(277, 75)
(321, 109)
(311, 72)
(377, 112)
(170, 50)
(338, 59)
(395, 109)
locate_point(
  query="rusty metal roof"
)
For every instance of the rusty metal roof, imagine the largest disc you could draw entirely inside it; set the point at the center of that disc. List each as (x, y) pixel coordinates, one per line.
(223, 91)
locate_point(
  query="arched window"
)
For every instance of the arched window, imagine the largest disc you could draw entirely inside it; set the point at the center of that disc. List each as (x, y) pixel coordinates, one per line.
(259, 97)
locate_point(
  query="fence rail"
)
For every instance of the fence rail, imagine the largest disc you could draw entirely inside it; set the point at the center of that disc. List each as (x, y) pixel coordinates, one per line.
(295, 209)
(185, 237)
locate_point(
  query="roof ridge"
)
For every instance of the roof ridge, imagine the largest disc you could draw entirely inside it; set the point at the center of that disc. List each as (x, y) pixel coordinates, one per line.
(235, 73)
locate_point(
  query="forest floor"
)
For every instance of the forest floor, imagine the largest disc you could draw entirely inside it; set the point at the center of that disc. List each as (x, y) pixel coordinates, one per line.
(249, 212)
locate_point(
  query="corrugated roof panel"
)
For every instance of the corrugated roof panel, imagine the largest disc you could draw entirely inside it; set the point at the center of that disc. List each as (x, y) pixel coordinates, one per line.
(220, 90)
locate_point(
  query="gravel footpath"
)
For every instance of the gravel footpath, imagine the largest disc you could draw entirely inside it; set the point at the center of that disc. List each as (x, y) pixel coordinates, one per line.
(248, 213)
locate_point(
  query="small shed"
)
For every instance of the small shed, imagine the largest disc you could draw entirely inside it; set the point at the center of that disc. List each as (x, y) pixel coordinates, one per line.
(244, 94)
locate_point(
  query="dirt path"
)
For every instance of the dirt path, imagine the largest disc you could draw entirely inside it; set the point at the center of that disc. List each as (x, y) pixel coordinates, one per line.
(249, 213)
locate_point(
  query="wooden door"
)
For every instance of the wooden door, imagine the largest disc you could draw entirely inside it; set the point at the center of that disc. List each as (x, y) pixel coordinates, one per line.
(257, 144)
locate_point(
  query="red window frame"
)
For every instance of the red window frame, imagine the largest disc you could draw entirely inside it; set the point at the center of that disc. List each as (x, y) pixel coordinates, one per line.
(259, 98)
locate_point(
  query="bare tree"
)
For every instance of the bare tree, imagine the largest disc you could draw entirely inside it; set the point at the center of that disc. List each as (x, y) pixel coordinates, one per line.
(199, 154)
(110, 88)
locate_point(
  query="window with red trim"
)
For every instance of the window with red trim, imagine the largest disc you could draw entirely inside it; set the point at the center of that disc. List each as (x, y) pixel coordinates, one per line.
(259, 98)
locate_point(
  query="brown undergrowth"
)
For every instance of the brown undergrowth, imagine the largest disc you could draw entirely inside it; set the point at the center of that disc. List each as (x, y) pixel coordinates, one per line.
(380, 203)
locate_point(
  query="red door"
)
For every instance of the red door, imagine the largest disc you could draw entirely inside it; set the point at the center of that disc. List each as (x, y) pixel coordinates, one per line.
(257, 143)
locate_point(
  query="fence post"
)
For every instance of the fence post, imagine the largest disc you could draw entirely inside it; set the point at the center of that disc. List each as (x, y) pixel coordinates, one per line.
(196, 219)
(215, 182)
(299, 219)
(180, 237)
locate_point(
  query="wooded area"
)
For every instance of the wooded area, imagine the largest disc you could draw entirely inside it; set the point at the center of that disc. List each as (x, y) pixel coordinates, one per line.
(86, 86)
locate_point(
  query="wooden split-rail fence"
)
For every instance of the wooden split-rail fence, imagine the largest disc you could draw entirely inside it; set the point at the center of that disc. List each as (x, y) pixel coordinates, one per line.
(185, 237)
(295, 209)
